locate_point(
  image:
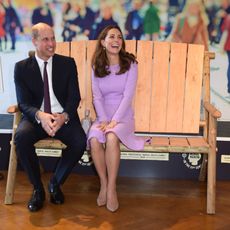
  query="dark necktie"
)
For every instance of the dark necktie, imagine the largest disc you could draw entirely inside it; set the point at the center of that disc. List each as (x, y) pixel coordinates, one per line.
(47, 107)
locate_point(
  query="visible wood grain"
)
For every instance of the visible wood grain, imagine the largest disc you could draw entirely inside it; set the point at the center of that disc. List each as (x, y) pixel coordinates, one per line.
(50, 143)
(159, 87)
(193, 87)
(91, 45)
(196, 142)
(160, 141)
(178, 141)
(176, 88)
(143, 89)
(63, 48)
(78, 52)
(130, 46)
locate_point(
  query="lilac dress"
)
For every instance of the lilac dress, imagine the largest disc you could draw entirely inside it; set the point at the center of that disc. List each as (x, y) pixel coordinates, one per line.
(112, 98)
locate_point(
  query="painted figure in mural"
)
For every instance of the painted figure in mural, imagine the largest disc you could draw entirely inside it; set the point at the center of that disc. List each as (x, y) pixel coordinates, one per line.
(2, 25)
(225, 46)
(190, 26)
(134, 22)
(68, 14)
(12, 23)
(152, 22)
(114, 77)
(42, 13)
(48, 96)
(83, 21)
(211, 9)
(104, 20)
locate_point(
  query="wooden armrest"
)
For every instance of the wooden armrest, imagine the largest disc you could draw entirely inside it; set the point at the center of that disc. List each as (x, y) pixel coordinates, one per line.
(212, 110)
(13, 109)
(211, 55)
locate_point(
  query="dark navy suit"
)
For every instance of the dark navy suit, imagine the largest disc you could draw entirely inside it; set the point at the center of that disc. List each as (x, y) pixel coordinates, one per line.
(29, 91)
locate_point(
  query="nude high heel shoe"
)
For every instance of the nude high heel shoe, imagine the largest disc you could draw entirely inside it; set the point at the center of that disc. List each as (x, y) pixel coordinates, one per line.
(101, 202)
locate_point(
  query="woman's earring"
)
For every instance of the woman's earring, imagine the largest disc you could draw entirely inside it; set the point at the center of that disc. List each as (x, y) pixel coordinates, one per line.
(103, 48)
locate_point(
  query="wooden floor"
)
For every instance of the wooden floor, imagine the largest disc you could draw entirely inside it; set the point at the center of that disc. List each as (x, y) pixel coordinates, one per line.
(145, 204)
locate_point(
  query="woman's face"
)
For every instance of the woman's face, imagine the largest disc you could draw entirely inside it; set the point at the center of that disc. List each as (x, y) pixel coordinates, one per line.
(113, 41)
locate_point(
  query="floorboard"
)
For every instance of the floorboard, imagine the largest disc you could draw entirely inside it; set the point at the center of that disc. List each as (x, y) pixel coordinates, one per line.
(145, 204)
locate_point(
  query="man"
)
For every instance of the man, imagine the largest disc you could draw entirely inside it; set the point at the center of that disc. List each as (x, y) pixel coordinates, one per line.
(38, 122)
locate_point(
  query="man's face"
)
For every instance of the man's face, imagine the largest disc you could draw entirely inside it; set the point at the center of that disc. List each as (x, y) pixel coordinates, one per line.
(45, 43)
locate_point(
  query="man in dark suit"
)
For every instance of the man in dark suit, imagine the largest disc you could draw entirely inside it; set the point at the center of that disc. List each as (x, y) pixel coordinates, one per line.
(62, 122)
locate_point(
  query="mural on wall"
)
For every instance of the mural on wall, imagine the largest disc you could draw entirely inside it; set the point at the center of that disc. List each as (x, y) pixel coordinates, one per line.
(172, 20)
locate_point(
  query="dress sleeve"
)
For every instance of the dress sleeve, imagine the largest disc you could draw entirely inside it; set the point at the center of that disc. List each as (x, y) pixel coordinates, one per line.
(98, 99)
(128, 94)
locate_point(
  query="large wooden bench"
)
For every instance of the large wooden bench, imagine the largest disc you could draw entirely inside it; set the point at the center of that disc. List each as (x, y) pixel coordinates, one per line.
(173, 88)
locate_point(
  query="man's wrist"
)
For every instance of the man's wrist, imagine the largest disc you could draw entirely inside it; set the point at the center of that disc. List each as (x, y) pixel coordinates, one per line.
(66, 116)
(37, 117)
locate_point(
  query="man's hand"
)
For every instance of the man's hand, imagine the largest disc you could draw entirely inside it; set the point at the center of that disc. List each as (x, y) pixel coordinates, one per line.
(46, 120)
(59, 120)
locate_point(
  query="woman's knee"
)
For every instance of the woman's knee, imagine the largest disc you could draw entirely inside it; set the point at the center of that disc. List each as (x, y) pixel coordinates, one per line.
(94, 143)
(111, 138)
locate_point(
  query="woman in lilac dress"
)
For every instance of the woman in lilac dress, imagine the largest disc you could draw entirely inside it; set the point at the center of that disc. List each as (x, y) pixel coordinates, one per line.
(114, 78)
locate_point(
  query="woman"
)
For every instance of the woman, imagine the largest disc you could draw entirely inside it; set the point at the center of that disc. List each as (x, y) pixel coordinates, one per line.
(152, 22)
(191, 25)
(114, 79)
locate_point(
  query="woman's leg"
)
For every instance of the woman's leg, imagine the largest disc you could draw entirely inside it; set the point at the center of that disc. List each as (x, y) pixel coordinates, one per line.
(98, 155)
(112, 158)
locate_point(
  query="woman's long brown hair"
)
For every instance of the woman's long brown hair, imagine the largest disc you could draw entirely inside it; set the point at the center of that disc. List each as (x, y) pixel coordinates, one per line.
(100, 62)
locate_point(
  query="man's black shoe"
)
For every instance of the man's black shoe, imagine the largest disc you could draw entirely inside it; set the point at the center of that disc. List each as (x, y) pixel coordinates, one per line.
(56, 195)
(36, 201)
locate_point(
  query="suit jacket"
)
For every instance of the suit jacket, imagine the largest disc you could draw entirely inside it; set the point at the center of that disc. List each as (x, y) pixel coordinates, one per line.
(30, 88)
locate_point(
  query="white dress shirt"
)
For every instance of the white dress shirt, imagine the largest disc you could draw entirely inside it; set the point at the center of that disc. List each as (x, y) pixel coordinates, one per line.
(55, 105)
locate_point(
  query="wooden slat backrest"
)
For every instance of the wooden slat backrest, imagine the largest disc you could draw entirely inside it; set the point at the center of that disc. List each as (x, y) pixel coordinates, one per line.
(63, 48)
(176, 87)
(193, 87)
(78, 52)
(91, 45)
(143, 89)
(168, 92)
(159, 86)
(171, 87)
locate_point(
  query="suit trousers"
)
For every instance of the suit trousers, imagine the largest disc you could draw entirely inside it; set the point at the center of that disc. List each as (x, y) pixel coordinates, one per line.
(28, 133)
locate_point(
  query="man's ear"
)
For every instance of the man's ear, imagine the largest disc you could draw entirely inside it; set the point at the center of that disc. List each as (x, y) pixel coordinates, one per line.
(34, 42)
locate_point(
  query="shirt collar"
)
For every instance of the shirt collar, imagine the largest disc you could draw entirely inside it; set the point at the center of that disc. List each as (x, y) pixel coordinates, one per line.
(41, 61)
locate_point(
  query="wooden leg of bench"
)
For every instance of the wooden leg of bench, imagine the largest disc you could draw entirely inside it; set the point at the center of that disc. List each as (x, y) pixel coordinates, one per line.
(11, 175)
(211, 187)
(203, 170)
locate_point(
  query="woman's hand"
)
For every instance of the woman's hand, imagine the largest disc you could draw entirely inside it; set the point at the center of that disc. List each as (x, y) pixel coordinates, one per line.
(111, 124)
(102, 126)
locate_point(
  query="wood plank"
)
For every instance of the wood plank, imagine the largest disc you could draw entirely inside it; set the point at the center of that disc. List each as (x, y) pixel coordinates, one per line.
(91, 45)
(178, 141)
(193, 88)
(130, 46)
(176, 87)
(50, 143)
(197, 141)
(63, 48)
(160, 141)
(143, 89)
(159, 87)
(78, 52)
